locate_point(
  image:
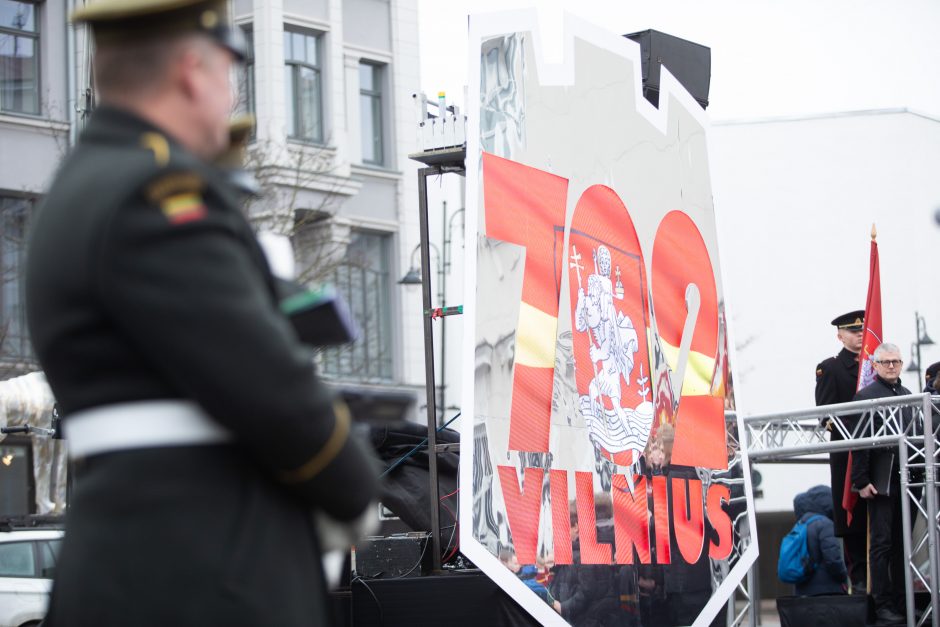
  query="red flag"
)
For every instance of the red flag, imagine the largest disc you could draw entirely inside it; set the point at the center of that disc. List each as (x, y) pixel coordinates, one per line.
(866, 369)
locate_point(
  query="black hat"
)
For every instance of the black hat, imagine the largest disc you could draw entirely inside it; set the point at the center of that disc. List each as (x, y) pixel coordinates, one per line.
(124, 21)
(932, 370)
(852, 321)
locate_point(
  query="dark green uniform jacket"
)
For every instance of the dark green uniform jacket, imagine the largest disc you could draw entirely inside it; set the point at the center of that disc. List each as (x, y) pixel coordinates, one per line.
(836, 381)
(145, 282)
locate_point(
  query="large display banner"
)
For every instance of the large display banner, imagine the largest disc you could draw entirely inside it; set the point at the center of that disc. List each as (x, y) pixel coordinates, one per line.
(601, 482)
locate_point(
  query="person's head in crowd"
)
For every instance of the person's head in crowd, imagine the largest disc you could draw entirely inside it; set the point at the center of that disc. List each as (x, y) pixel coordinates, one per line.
(168, 61)
(888, 362)
(509, 560)
(930, 375)
(850, 329)
(659, 448)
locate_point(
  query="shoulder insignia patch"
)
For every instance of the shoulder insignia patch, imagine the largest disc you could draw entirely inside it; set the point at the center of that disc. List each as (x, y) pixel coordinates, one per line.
(179, 196)
(819, 372)
(184, 207)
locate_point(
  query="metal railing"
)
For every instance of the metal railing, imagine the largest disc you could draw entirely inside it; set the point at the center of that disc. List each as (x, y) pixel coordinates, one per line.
(909, 423)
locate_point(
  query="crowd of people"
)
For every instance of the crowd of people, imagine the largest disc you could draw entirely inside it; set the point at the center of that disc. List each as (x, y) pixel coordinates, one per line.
(665, 591)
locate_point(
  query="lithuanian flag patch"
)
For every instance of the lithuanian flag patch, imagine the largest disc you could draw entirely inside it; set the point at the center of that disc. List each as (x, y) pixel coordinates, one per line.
(183, 208)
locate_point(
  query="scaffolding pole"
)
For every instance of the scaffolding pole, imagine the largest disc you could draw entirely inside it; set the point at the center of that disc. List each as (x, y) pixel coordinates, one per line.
(904, 422)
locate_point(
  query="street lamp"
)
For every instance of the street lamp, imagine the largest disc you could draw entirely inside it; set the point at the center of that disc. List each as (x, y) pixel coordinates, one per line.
(921, 339)
(413, 277)
(447, 234)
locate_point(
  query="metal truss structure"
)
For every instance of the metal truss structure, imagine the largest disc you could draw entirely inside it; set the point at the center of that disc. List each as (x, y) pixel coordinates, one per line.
(908, 423)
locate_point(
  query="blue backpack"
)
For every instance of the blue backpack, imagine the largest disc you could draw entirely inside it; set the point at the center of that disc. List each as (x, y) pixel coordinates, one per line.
(795, 564)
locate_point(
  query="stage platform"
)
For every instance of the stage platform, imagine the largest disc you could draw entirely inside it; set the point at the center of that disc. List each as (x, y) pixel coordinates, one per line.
(465, 598)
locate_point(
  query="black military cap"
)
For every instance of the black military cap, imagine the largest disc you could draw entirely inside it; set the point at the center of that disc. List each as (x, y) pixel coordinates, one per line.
(125, 21)
(932, 370)
(851, 321)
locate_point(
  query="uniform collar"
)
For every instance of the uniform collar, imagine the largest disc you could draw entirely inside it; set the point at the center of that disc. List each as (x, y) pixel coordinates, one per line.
(848, 358)
(892, 386)
(109, 123)
(115, 125)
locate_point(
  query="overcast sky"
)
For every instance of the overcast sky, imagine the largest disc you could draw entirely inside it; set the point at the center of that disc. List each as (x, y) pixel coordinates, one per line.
(769, 58)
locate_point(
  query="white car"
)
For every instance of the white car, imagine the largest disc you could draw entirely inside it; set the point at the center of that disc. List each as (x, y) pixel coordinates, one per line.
(27, 565)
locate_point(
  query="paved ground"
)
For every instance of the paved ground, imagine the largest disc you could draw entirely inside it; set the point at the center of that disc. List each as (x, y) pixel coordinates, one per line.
(768, 613)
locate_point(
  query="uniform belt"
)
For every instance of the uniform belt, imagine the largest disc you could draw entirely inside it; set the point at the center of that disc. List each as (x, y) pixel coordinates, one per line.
(143, 424)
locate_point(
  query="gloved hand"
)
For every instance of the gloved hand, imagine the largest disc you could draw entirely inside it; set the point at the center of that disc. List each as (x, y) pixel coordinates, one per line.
(339, 536)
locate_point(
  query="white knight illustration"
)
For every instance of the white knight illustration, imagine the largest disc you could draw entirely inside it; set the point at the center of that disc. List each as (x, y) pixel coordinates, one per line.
(613, 343)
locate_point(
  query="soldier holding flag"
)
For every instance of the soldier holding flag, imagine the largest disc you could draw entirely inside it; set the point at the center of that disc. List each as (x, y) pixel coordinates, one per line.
(836, 382)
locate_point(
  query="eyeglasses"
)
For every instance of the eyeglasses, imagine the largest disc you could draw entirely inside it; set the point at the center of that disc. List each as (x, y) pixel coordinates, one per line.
(892, 363)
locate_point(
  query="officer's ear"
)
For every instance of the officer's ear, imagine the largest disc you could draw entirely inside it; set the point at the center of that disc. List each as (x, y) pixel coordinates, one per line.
(190, 65)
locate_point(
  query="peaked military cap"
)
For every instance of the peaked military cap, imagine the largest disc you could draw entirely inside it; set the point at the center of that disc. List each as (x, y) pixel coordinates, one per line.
(126, 21)
(931, 373)
(851, 321)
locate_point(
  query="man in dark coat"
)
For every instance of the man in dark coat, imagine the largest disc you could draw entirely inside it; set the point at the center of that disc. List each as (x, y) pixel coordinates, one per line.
(837, 382)
(586, 594)
(886, 553)
(203, 443)
(829, 576)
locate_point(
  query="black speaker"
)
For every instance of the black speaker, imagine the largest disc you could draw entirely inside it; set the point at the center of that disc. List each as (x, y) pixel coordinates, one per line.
(823, 611)
(689, 62)
(405, 555)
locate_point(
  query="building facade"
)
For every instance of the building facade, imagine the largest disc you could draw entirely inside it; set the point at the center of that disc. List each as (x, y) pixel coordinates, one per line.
(330, 83)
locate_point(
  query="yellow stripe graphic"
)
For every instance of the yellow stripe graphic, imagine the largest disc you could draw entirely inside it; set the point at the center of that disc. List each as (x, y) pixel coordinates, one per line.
(698, 372)
(535, 338)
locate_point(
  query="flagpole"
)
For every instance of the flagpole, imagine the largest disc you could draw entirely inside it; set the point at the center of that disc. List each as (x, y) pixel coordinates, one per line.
(872, 337)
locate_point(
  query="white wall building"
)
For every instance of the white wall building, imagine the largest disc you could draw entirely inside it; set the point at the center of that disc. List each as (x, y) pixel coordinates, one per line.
(796, 199)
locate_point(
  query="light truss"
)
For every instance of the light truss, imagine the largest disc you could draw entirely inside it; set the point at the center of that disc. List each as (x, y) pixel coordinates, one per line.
(909, 423)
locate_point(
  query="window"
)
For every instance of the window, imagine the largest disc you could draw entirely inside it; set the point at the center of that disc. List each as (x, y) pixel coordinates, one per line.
(16, 472)
(363, 279)
(14, 339)
(19, 57)
(17, 559)
(48, 557)
(303, 84)
(370, 110)
(246, 76)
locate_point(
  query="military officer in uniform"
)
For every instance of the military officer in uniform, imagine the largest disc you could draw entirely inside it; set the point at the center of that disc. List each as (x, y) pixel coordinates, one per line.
(203, 442)
(836, 382)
